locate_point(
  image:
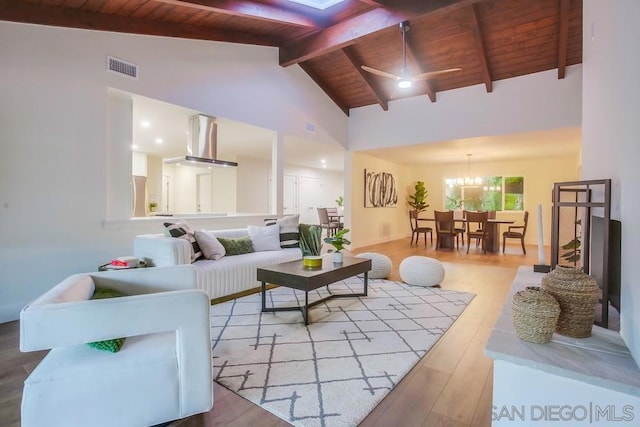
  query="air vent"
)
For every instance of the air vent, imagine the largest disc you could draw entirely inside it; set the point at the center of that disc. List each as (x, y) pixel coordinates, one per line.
(119, 66)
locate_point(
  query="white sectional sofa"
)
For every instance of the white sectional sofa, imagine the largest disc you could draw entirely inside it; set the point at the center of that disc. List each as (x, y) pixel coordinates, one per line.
(226, 276)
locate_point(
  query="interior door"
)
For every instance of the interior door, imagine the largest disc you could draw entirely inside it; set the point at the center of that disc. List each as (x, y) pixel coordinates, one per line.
(290, 194)
(203, 193)
(309, 199)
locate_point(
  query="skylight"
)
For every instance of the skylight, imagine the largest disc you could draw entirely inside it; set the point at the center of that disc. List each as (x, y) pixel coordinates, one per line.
(318, 4)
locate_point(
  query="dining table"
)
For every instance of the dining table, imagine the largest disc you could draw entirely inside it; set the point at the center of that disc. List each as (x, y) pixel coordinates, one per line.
(493, 230)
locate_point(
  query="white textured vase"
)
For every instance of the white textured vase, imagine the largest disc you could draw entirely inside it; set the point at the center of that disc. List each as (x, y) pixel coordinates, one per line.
(337, 257)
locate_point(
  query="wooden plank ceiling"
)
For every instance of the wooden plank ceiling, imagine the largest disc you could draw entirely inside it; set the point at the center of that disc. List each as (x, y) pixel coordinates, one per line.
(489, 39)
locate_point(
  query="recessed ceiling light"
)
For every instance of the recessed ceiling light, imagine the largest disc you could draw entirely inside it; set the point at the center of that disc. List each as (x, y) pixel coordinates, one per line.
(324, 165)
(145, 123)
(159, 140)
(134, 147)
(318, 4)
(323, 161)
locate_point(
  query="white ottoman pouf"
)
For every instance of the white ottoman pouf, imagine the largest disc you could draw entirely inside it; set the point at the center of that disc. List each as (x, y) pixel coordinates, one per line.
(380, 264)
(421, 271)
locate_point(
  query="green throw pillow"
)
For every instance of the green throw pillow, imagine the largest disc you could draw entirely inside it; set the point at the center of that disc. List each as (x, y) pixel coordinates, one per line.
(112, 345)
(236, 245)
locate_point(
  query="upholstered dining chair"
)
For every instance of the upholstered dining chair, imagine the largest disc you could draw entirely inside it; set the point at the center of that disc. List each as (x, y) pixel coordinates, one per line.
(477, 228)
(161, 372)
(334, 216)
(326, 223)
(516, 232)
(416, 229)
(445, 228)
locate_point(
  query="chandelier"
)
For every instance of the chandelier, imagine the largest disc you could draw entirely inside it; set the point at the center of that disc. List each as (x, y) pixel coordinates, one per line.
(468, 181)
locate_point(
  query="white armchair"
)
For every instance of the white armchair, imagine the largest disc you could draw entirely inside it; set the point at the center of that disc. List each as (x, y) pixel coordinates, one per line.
(162, 372)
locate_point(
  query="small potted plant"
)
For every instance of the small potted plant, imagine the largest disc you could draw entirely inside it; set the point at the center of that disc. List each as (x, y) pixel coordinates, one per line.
(153, 206)
(338, 241)
(340, 204)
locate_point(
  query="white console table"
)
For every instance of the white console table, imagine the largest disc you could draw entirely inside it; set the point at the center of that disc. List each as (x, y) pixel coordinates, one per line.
(567, 382)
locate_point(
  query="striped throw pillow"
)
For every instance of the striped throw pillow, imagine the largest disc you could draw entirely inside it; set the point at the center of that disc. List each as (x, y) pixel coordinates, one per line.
(289, 234)
(181, 230)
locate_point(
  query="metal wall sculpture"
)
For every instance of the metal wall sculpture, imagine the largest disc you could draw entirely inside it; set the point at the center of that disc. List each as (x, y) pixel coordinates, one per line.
(380, 190)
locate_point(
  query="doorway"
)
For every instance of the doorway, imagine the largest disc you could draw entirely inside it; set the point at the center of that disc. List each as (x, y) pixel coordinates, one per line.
(290, 195)
(309, 196)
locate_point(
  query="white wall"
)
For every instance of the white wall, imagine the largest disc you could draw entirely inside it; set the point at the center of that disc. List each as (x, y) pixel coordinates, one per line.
(254, 177)
(611, 133)
(521, 104)
(64, 216)
(375, 225)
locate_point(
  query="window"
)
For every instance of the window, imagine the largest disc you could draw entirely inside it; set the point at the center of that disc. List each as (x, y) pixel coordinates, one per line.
(491, 193)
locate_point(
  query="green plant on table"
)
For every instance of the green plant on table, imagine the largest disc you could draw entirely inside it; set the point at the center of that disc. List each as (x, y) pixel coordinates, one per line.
(310, 239)
(340, 201)
(338, 240)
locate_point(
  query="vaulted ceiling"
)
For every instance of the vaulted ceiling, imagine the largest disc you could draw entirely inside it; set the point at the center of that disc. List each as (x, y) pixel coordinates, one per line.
(489, 40)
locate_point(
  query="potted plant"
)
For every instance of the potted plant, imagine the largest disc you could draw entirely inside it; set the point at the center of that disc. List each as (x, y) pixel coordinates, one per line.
(153, 206)
(338, 241)
(418, 200)
(340, 204)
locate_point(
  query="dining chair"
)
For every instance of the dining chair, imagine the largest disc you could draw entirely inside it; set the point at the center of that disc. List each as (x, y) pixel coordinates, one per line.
(445, 228)
(416, 230)
(326, 223)
(477, 229)
(334, 216)
(457, 216)
(516, 232)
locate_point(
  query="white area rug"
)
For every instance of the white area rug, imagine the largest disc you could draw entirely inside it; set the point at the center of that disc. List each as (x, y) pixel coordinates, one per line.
(336, 370)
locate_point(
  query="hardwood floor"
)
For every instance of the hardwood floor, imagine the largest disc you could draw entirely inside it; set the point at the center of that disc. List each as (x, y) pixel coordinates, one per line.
(450, 386)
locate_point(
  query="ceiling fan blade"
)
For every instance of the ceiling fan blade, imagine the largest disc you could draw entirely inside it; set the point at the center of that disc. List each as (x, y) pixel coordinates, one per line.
(432, 74)
(380, 73)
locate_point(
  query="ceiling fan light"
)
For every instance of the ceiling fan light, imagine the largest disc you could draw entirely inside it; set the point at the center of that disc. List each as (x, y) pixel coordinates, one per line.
(404, 83)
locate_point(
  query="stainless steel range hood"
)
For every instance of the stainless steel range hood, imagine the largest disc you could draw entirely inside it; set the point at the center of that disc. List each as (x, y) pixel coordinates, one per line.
(202, 144)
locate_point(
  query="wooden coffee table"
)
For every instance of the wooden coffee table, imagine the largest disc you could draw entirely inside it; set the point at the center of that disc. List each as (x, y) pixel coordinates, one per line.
(295, 275)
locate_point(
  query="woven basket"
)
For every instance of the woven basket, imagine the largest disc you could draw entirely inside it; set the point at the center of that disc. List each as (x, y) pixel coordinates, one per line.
(577, 294)
(535, 314)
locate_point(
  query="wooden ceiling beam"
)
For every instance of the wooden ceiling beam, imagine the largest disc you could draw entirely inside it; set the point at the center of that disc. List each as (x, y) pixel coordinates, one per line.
(326, 88)
(373, 86)
(417, 63)
(346, 32)
(75, 18)
(249, 9)
(476, 30)
(563, 37)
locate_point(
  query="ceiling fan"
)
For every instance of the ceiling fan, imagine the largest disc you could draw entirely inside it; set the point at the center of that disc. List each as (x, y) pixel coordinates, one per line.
(404, 79)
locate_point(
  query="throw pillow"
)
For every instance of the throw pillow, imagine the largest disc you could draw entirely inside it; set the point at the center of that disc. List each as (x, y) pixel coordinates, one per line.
(236, 245)
(181, 230)
(289, 234)
(209, 244)
(112, 345)
(264, 238)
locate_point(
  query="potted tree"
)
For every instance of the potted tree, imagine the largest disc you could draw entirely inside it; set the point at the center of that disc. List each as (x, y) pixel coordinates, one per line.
(340, 204)
(418, 200)
(338, 241)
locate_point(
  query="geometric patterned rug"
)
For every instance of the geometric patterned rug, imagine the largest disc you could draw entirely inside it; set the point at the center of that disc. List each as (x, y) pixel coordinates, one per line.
(334, 371)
